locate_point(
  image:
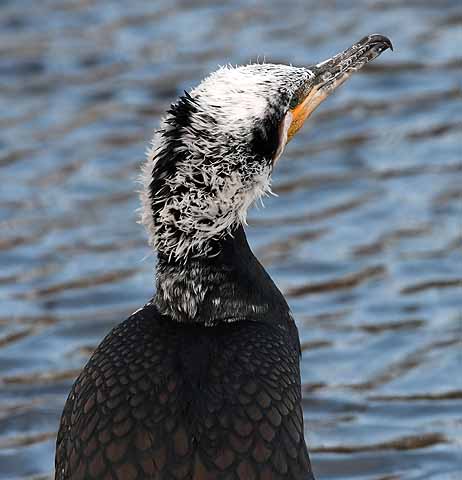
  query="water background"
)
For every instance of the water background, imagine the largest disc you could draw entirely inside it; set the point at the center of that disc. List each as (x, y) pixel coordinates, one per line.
(364, 238)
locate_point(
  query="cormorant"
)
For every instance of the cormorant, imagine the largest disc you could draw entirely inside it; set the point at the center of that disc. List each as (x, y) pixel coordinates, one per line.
(203, 382)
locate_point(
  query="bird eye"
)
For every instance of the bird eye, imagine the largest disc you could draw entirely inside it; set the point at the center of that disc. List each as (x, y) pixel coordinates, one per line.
(294, 101)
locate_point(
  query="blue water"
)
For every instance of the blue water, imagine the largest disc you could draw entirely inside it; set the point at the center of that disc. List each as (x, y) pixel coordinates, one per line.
(364, 238)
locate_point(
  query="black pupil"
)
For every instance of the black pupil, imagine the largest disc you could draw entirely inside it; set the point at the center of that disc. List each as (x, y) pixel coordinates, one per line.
(294, 101)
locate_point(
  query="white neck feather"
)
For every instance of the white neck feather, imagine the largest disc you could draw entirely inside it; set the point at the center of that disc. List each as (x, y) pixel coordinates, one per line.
(210, 174)
(196, 213)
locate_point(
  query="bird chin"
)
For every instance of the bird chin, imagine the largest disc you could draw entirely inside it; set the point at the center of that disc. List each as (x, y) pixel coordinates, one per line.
(284, 129)
(302, 111)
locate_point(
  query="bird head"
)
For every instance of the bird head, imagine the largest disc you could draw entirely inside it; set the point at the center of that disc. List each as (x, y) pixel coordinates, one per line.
(216, 148)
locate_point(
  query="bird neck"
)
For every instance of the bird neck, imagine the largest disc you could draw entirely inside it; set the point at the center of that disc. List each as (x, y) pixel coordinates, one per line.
(227, 287)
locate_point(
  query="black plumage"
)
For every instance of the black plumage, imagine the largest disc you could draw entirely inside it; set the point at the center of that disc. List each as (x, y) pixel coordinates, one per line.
(161, 399)
(203, 383)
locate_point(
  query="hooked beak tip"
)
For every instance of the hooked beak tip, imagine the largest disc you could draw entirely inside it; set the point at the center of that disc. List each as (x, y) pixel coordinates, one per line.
(377, 39)
(331, 73)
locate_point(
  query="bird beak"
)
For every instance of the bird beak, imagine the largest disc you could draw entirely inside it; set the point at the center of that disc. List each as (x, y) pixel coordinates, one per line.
(330, 74)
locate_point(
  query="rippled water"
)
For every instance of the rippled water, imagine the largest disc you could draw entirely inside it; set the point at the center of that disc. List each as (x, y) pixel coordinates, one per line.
(365, 237)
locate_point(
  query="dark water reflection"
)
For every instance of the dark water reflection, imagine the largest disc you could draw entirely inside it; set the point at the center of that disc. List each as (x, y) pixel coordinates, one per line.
(365, 238)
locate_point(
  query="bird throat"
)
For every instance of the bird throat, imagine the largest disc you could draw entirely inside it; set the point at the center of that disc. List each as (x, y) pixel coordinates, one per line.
(228, 287)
